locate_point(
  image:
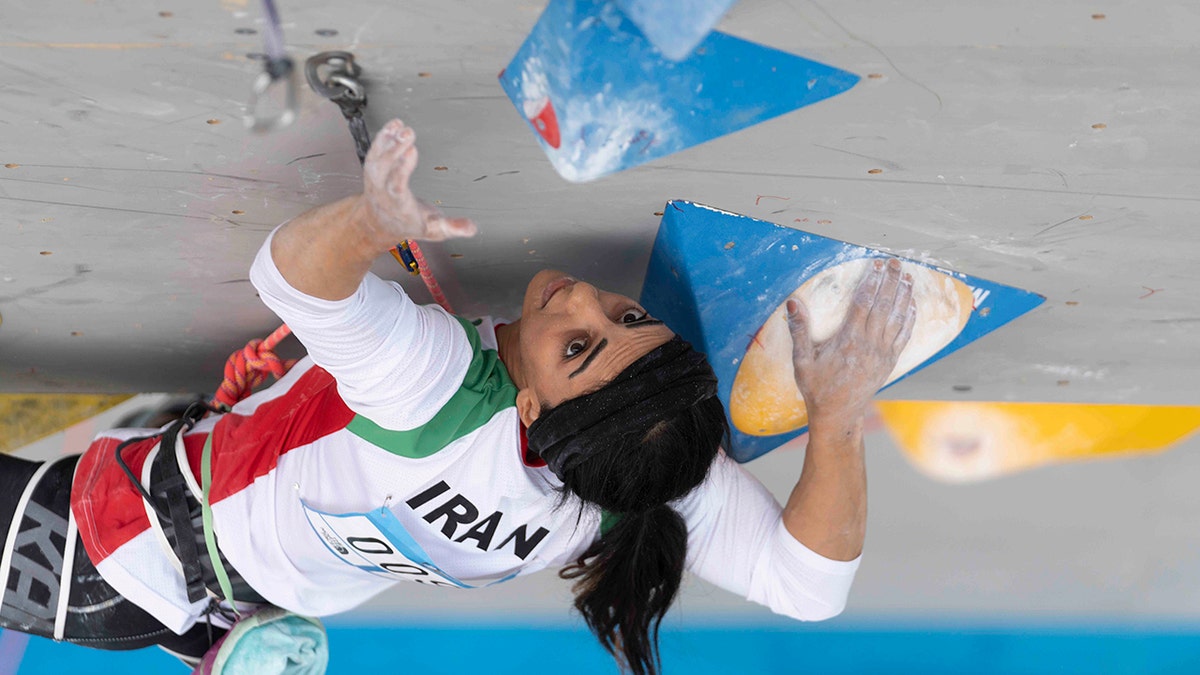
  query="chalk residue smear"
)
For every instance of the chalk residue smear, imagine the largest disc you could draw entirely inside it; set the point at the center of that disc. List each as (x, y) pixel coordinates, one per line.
(765, 400)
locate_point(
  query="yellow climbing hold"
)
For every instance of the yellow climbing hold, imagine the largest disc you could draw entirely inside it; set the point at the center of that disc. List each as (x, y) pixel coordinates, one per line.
(24, 418)
(963, 441)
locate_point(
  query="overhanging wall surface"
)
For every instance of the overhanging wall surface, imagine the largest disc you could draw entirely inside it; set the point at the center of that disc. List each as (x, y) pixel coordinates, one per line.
(981, 121)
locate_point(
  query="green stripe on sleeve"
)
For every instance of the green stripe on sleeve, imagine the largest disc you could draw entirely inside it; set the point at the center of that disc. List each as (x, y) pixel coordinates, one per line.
(486, 390)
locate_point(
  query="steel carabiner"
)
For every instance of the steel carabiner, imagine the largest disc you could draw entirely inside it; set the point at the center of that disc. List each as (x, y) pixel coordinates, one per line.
(335, 76)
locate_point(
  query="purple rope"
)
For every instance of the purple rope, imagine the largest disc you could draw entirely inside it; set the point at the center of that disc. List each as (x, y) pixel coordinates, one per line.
(273, 35)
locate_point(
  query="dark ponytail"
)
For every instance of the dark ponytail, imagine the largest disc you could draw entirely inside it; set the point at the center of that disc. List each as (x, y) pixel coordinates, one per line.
(626, 581)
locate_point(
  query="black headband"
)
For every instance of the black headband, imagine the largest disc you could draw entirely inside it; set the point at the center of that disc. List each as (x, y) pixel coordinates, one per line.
(669, 379)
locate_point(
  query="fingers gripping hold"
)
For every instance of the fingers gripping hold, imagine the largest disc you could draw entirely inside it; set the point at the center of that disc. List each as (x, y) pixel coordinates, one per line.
(902, 316)
(803, 349)
(906, 330)
(865, 294)
(885, 299)
(842, 373)
(797, 318)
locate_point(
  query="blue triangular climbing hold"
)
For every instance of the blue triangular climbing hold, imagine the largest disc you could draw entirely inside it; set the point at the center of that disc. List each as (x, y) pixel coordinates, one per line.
(717, 277)
(601, 97)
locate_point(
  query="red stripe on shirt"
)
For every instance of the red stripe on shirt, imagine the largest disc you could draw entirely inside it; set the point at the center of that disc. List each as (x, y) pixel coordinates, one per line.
(247, 447)
(108, 506)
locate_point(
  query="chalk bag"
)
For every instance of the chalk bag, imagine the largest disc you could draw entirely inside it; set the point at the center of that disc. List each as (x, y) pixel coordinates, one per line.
(272, 641)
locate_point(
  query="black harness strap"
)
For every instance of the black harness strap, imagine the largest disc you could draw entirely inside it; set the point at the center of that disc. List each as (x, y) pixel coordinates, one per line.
(168, 497)
(172, 490)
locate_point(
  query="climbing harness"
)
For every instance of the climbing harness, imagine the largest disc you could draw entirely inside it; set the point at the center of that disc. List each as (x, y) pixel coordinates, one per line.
(172, 500)
(279, 70)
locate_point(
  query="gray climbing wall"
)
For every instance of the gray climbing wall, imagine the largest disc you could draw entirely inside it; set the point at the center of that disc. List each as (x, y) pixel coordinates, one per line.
(1049, 146)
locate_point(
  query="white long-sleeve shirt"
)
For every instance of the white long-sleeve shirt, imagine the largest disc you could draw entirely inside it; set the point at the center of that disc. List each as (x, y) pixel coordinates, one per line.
(394, 452)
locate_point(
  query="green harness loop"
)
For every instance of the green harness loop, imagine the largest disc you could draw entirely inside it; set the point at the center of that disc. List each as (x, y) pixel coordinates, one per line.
(210, 536)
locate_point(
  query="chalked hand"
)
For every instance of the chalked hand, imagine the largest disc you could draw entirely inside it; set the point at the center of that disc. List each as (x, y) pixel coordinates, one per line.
(393, 210)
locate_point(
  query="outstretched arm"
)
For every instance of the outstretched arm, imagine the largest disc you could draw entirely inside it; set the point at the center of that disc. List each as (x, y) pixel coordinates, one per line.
(395, 362)
(827, 510)
(801, 561)
(326, 251)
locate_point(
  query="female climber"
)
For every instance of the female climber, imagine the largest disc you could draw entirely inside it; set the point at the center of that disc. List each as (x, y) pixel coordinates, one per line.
(415, 445)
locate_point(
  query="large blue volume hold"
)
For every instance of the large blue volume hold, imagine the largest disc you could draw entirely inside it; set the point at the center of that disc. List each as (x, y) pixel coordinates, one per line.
(715, 277)
(601, 97)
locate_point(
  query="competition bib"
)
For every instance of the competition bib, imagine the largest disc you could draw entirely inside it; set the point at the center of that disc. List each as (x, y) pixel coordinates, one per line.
(375, 542)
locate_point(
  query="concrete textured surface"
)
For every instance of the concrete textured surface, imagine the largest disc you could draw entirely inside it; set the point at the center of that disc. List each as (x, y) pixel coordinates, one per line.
(1025, 142)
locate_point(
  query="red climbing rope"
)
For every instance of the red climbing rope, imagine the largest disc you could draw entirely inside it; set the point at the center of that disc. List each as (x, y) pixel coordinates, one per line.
(249, 366)
(434, 287)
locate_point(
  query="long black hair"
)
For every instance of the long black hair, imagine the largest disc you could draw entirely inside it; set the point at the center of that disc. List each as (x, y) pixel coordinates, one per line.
(627, 579)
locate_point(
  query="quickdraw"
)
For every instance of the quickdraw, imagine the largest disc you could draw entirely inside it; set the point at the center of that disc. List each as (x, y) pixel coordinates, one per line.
(335, 76)
(278, 67)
